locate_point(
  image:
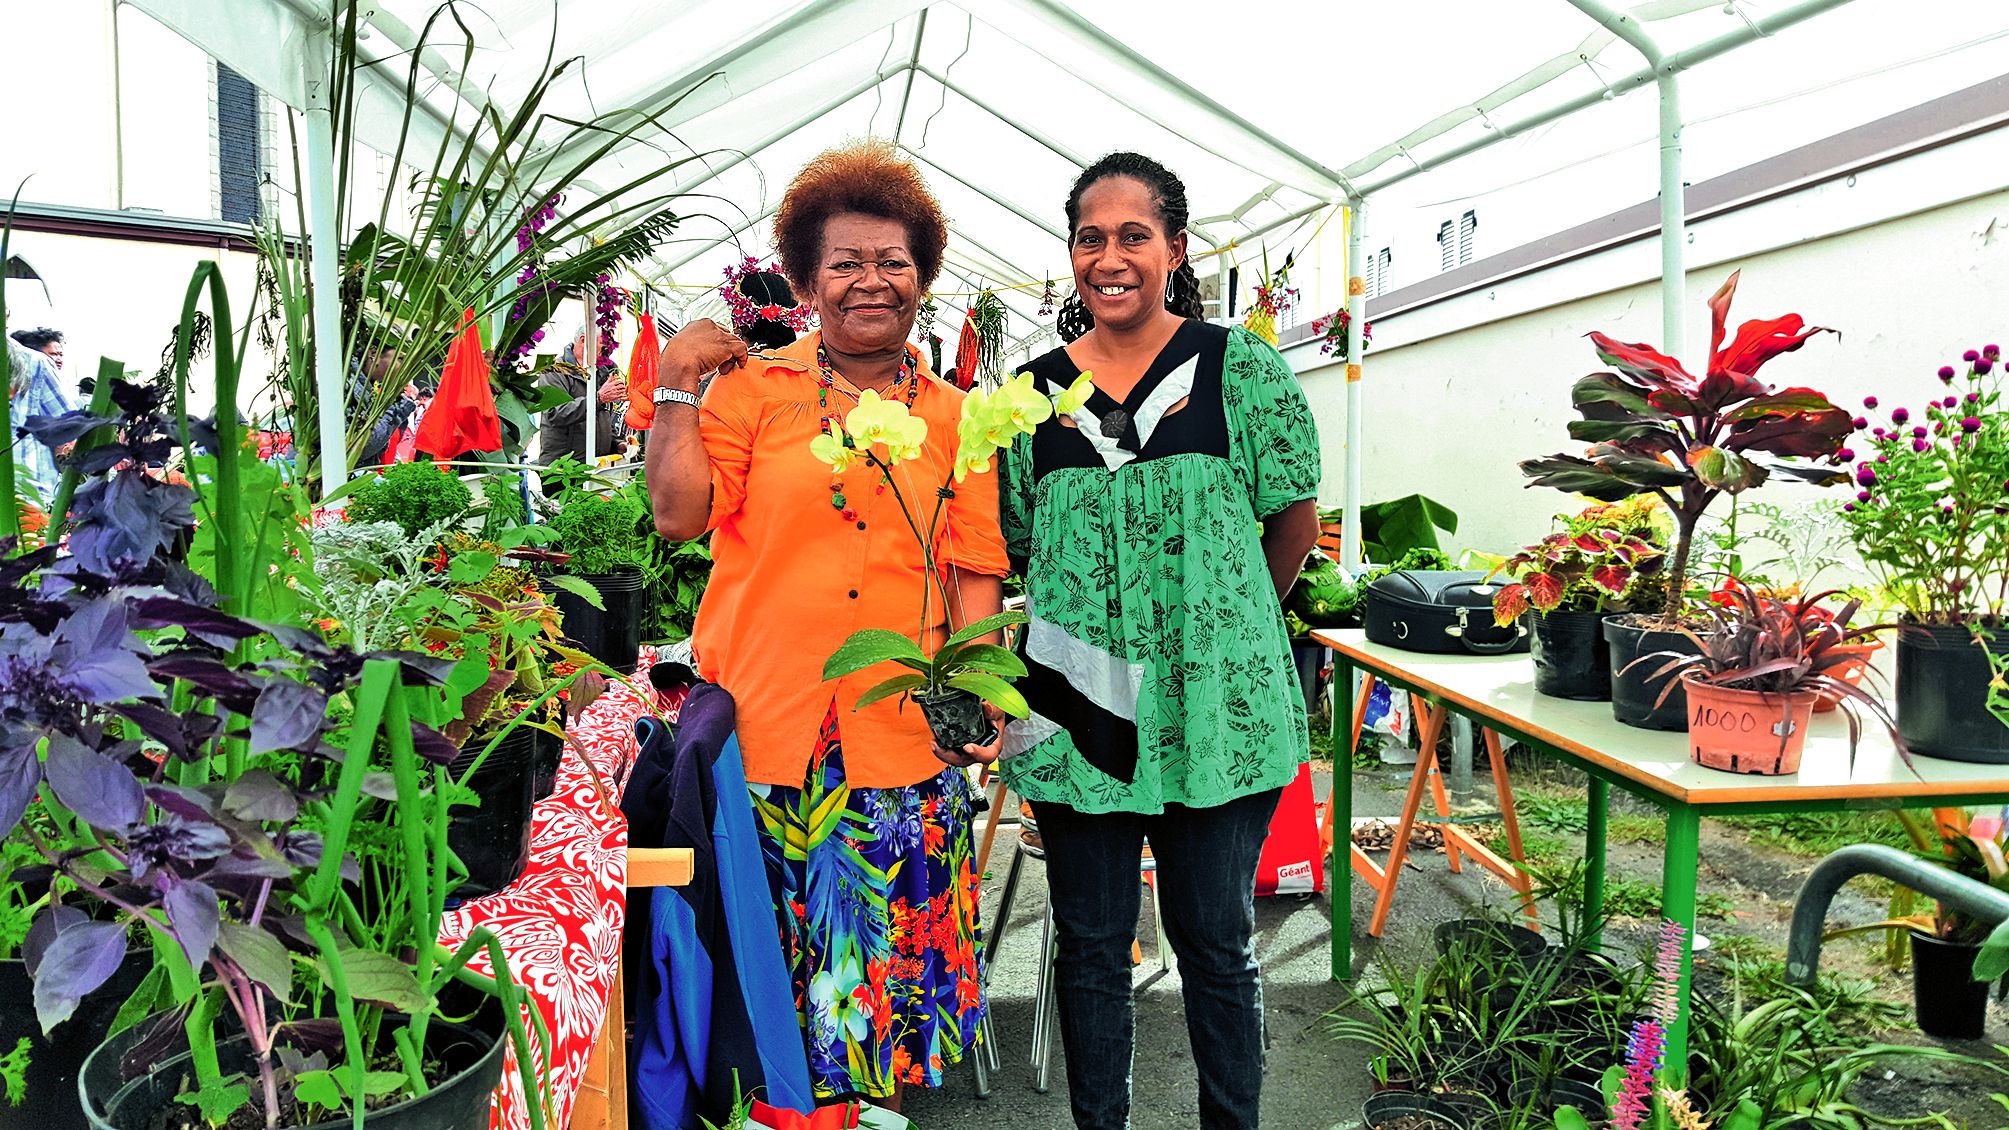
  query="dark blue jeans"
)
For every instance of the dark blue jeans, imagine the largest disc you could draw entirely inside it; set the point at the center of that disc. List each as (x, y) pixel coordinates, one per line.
(1206, 877)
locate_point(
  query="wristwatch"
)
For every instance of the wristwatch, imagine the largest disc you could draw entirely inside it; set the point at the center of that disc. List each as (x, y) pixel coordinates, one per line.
(675, 396)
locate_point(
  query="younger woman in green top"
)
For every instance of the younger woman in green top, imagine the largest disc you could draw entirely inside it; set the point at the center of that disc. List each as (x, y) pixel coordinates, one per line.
(1156, 529)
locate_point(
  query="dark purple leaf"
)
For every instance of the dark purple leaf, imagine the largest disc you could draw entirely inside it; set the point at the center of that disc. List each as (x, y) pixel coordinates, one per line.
(305, 642)
(174, 840)
(419, 670)
(125, 519)
(212, 625)
(82, 957)
(48, 924)
(193, 912)
(20, 773)
(160, 1039)
(313, 1035)
(293, 927)
(288, 715)
(432, 745)
(207, 674)
(186, 736)
(258, 795)
(68, 427)
(181, 801)
(301, 849)
(93, 786)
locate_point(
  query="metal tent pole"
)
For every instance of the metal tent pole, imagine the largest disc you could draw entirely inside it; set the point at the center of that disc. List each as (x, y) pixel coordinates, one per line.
(1356, 312)
(324, 251)
(1673, 195)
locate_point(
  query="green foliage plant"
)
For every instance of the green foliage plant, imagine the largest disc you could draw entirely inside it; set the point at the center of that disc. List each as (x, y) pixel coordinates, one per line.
(603, 533)
(1605, 558)
(412, 496)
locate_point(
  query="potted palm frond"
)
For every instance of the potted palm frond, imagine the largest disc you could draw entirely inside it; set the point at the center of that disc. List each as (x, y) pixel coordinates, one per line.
(1755, 674)
(1657, 429)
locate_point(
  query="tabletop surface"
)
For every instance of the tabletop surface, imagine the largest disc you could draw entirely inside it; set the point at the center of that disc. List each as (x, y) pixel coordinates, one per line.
(1501, 687)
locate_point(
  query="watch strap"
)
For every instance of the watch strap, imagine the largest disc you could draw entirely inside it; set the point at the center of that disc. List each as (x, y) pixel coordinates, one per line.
(676, 396)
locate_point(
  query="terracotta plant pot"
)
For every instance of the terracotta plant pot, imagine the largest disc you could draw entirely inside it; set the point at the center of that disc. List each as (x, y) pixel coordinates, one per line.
(1740, 731)
(1861, 656)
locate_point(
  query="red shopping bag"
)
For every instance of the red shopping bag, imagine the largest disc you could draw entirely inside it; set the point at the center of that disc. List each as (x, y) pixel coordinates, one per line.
(1290, 863)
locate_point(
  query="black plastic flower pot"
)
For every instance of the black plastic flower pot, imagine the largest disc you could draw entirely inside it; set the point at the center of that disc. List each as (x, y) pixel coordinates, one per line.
(493, 838)
(1402, 1110)
(957, 719)
(54, 1060)
(1951, 1004)
(612, 635)
(1572, 659)
(129, 1082)
(1635, 693)
(1545, 1099)
(546, 751)
(1942, 692)
(1502, 941)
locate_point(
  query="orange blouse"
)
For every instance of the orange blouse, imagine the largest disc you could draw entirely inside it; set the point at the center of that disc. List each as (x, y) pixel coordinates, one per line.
(792, 577)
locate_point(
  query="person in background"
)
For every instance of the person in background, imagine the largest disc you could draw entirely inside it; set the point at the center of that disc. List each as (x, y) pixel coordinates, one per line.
(1157, 528)
(34, 389)
(563, 430)
(49, 341)
(867, 834)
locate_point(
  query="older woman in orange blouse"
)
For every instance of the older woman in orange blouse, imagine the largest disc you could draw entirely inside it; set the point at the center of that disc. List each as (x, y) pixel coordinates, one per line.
(867, 834)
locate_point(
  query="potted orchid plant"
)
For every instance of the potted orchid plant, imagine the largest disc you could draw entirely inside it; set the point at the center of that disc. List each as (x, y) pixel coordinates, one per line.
(1931, 517)
(967, 671)
(1657, 429)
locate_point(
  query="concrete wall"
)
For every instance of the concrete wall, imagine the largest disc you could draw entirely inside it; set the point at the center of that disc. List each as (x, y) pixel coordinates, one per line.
(1449, 412)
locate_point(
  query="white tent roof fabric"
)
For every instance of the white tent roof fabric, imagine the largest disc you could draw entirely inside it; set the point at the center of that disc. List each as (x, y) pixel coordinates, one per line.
(1270, 114)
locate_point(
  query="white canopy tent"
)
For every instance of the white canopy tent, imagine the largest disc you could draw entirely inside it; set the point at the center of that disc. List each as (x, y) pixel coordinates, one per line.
(1274, 122)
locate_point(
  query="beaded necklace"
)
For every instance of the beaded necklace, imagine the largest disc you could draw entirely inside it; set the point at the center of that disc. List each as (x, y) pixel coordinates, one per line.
(826, 380)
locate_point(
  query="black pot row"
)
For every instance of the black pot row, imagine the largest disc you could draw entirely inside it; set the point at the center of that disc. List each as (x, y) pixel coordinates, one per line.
(1942, 680)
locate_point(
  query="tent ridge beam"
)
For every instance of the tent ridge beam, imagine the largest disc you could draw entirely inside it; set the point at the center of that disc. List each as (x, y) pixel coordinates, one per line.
(993, 197)
(907, 94)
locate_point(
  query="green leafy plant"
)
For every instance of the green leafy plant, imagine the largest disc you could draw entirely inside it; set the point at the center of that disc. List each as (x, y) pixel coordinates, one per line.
(411, 496)
(603, 533)
(1657, 429)
(1606, 558)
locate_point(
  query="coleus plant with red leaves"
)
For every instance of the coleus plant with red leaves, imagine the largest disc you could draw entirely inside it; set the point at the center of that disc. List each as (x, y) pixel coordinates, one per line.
(1602, 560)
(1655, 428)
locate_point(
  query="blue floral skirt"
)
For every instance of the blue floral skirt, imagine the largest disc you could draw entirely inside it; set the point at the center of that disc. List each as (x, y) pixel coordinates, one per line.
(876, 896)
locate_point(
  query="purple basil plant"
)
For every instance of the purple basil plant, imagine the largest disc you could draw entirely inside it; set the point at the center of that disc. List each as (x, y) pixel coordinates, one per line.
(196, 777)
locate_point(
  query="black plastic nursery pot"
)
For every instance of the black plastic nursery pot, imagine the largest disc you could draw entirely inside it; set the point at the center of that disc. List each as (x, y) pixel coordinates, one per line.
(1572, 659)
(130, 1082)
(493, 839)
(54, 1060)
(612, 635)
(1504, 940)
(957, 719)
(1634, 691)
(1408, 1111)
(1951, 1004)
(547, 750)
(1530, 1096)
(1942, 691)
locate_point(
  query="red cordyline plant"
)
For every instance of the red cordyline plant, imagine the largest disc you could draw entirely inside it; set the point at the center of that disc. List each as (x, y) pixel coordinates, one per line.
(1779, 648)
(1656, 428)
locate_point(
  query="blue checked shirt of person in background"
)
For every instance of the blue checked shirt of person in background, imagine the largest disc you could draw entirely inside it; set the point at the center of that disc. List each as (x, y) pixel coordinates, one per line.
(36, 391)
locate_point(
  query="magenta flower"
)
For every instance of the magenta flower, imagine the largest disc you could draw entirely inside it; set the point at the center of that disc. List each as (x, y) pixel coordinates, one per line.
(1859, 423)
(1919, 445)
(1971, 356)
(1946, 373)
(1972, 398)
(1982, 366)
(1992, 352)
(1899, 415)
(1845, 455)
(1970, 424)
(1869, 402)
(1862, 496)
(1849, 507)
(1866, 476)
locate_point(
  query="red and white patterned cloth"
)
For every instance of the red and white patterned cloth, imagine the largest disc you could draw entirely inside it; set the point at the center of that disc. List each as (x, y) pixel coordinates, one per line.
(560, 923)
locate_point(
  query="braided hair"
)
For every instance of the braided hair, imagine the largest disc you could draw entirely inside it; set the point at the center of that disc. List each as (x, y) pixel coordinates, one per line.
(1168, 192)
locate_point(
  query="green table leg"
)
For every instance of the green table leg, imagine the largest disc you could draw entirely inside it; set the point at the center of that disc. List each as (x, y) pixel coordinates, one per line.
(1339, 815)
(1677, 904)
(1594, 856)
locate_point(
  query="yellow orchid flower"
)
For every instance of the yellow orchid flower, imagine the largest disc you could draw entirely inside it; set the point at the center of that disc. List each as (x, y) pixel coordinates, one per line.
(1070, 402)
(1018, 407)
(829, 449)
(904, 437)
(973, 460)
(868, 422)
